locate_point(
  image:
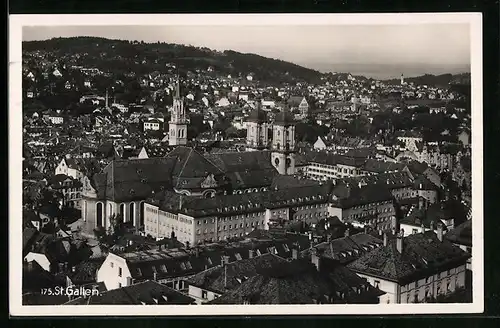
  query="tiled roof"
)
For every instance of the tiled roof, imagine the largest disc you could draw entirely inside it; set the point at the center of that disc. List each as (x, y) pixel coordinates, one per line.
(435, 213)
(332, 159)
(348, 248)
(290, 181)
(349, 196)
(124, 180)
(423, 255)
(181, 263)
(86, 271)
(299, 282)
(220, 280)
(462, 234)
(146, 293)
(376, 166)
(393, 180)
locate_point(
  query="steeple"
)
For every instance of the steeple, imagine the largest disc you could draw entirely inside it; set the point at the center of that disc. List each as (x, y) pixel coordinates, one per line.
(177, 94)
(178, 121)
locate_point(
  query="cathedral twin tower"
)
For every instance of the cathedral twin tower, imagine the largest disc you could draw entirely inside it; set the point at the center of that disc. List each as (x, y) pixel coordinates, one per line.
(283, 138)
(283, 133)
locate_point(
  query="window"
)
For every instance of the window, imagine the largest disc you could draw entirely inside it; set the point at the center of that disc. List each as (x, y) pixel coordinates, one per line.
(119, 272)
(376, 283)
(111, 264)
(119, 285)
(416, 283)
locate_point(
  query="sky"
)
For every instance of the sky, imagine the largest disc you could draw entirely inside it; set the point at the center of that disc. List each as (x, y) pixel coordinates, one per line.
(378, 51)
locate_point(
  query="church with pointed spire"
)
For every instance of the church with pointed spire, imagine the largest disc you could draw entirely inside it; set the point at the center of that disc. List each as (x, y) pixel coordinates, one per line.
(177, 127)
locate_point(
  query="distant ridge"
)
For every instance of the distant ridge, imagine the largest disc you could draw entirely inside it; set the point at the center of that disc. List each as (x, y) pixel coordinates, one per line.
(123, 55)
(442, 80)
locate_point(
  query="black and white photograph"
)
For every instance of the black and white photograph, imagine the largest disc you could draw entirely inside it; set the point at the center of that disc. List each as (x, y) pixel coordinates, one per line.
(245, 164)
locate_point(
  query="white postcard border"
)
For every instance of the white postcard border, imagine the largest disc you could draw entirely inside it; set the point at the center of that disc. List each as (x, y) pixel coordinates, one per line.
(16, 22)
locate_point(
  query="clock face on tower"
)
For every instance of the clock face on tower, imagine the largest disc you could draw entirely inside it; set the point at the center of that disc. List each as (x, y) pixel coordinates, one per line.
(277, 161)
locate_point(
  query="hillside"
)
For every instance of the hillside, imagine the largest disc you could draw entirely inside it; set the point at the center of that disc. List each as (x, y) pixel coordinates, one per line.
(120, 56)
(442, 80)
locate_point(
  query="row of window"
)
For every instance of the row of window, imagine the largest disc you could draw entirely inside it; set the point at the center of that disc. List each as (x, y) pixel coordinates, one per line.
(230, 227)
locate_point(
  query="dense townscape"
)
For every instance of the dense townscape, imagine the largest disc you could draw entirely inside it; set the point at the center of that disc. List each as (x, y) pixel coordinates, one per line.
(169, 174)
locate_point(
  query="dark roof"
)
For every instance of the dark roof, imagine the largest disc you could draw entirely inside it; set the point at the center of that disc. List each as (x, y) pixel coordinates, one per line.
(327, 158)
(192, 168)
(186, 262)
(299, 282)
(147, 292)
(347, 196)
(393, 180)
(124, 180)
(423, 255)
(348, 248)
(436, 213)
(376, 166)
(290, 181)
(86, 271)
(461, 235)
(219, 280)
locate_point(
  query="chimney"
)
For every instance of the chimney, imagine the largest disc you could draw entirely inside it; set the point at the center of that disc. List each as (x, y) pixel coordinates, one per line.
(181, 200)
(394, 223)
(422, 228)
(315, 258)
(155, 276)
(366, 228)
(250, 253)
(385, 239)
(440, 231)
(347, 232)
(399, 242)
(295, 253)
(129, 281)
(432, 225)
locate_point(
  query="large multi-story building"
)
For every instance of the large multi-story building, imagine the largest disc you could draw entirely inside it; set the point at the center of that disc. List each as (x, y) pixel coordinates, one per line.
(124, 185)
(414, 269)
(231, 216)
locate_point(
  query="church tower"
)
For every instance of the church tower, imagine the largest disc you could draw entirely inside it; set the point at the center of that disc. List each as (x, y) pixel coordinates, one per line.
(283, 145)
(178, 121)
(257, 129)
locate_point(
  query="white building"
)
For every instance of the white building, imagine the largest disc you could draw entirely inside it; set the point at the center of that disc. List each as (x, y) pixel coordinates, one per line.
(69, 167)
(56, 119)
